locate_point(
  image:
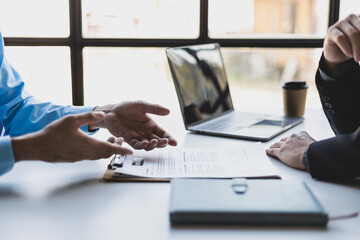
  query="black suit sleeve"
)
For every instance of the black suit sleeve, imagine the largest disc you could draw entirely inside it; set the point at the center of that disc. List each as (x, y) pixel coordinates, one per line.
(338, 157)
(335, 158)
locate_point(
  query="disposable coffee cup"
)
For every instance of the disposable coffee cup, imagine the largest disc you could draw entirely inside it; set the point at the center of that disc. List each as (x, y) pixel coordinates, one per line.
(294, 98)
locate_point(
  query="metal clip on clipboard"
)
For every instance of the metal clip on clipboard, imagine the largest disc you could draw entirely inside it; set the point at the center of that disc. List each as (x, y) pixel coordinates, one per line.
(117, 162)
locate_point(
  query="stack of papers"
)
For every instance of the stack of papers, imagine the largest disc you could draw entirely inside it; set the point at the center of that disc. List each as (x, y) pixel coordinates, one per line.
(249, 161)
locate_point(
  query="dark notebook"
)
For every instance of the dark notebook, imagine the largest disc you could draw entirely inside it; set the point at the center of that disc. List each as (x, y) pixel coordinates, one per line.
(244, 202)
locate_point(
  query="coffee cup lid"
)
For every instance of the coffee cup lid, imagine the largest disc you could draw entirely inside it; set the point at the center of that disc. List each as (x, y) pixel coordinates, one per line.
(295, 85)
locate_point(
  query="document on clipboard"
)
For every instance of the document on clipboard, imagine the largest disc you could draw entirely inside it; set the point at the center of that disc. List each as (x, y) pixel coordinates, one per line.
(248, 161)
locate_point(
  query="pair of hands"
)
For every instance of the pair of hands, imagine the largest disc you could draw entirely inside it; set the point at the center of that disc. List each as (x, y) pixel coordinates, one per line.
(342, 42)
(130, 121)
(63, 141)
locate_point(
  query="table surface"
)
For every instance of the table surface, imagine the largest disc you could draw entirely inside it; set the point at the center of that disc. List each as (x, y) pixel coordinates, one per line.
(71, 201)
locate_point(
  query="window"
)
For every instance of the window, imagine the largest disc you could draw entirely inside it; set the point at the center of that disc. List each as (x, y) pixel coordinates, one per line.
(349, 6)
(268, 19)
(258, 73)
(96, 52)
(35, 18)
(115, 74)
(140, 19)
(48, 75)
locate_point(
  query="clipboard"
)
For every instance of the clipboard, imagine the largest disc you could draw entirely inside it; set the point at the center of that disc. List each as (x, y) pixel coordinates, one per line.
(162, 165)
(117, 162)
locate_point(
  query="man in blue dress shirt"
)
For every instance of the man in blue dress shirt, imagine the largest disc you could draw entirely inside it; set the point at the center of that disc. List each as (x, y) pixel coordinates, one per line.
(338, 83)
(35, 130)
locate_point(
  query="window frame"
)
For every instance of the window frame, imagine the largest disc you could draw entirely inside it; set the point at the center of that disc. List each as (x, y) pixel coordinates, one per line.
(77, 43)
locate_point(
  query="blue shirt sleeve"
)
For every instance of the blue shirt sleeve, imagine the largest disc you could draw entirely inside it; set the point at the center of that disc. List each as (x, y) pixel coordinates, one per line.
(7, 156)
(21, 113)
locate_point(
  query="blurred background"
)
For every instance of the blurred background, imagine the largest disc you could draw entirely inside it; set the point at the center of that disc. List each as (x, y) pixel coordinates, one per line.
(96, 52)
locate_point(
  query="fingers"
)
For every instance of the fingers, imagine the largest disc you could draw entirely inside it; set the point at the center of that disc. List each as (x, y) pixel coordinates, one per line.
(118, 141)
(111, 139)
(348, 39)
(277, 149)
(355, 21)
(157, 143)
(163, 134)
(154, 108)
(303, 133)
(341, 41)
(144, 144)
(86, 147)
(290, 146)
(78, 120)
(107, 149)
(149, 145)
(137, 144)
(346, 35)
(354, 33)
(171, 141)
(110, 147)
(273, 152)
(158, 139)
(276, 145)
(162, 142)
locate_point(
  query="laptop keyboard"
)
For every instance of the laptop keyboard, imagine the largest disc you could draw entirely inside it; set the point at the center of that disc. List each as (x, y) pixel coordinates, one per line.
(231, 122)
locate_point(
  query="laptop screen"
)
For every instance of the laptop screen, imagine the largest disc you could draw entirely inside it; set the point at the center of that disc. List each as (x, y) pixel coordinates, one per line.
(200, 80)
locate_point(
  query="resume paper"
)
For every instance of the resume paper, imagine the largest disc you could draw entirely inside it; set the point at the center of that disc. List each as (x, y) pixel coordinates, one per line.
(242, 161)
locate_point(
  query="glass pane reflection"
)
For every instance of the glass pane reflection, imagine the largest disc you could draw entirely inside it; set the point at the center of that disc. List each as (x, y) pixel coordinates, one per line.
(118, 74)
(268, 18)
(140, 18)
(45, 71)
(349, 6)
(35, 18)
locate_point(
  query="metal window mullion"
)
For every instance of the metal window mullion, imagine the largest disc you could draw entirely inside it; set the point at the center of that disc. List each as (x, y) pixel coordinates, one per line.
(334, 11)
(76, 46)
(271, 43)
(19, 41)
(204, 21)
(278, 43)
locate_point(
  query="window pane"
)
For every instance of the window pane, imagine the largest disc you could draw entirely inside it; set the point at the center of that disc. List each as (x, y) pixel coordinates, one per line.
(258, 74)
(349, 6)
(47, 75)
(268, 18)
(140, 18)
(35, 18)
(118, 74)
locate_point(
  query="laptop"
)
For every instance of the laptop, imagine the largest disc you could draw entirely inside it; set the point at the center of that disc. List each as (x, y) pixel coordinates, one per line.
(203, 92)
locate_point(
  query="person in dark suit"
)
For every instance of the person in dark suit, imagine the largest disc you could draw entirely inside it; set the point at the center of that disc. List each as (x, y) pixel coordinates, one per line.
(338, 83)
